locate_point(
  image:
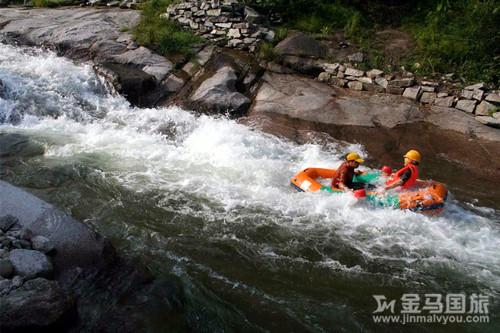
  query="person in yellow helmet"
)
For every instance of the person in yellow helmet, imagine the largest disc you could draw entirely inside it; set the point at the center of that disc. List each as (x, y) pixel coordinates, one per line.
(406, 176)
(342, 180)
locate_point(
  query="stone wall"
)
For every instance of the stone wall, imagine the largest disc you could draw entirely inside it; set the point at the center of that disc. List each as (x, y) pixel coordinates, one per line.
(475, 99)
(225, 22)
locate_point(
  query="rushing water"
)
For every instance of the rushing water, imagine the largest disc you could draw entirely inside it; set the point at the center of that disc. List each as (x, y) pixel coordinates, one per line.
(208, 200)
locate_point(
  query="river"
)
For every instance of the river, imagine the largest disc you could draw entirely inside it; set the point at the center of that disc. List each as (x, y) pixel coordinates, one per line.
(207, 200)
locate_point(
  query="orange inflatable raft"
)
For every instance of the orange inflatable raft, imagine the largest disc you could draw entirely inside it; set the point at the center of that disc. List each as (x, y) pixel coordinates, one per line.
(429, 196)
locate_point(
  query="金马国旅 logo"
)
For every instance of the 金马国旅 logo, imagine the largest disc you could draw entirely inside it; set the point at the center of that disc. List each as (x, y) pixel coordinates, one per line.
(432, 308)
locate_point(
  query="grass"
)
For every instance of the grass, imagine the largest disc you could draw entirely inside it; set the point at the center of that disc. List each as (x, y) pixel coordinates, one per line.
(160, 34)
(51, 3)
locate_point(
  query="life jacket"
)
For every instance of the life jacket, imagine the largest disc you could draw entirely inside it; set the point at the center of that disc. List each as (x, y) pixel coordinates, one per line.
(397, 176)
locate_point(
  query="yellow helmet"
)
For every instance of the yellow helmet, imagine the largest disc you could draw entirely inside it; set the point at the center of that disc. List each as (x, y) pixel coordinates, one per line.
(352, 156)
(413, 155)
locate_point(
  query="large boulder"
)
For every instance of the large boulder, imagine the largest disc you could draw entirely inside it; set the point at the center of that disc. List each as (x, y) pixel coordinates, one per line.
(30, 263)
(219, 93)
(76, 245)
(36, 303)
(301, 45)
(307, 99)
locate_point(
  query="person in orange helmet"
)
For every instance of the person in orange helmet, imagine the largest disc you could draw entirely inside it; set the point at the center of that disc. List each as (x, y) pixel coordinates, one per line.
(342, 180)
(406, 176)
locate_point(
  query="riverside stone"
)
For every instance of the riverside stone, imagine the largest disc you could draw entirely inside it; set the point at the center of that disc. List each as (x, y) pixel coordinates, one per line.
(365, 79)
(301, 45)
(493, 98)
(485, 108)
(467, 94)
(478, 95)
(466, 105)
(381, 81)
(30, 263)
(394, 90)
(6, 268)
(429, 83)
(413, 93)
(356, 57)
(428, 97)
(402, 83)
(489, 121)
(42, 244)
(37, 302)
(354, 72)
(219, 92)
(475, 86)
(374, 73)
(324, 77)
(6, 222)
(234, 33)
(355, 85)
(445, 101)
(442, 94)
(428, 88)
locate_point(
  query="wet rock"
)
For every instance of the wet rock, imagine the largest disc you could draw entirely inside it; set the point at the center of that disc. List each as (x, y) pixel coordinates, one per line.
(219, 92)
(413, 93)
(18, 145)
(42, 244)
(302, 98)
(485, 108)
(382, 82)
(489, 121)
(301, 45)
(36, 303)
(6, 268)
(29, 263)
(7, 221)
(5, 286)
(466, 105)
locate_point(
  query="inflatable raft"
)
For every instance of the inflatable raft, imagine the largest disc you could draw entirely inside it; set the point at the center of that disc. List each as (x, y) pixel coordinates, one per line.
(428, 196)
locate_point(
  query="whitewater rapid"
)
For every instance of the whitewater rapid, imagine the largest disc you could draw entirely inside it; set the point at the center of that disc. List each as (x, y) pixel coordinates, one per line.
(229, 174)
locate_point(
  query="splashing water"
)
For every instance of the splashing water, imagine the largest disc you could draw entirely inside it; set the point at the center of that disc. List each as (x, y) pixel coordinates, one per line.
(209, 200)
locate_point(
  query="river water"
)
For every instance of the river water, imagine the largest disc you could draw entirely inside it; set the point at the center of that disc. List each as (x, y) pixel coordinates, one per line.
(208, 200)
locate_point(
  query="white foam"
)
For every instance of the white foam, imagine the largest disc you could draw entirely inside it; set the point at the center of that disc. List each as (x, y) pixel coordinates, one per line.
(232, 166)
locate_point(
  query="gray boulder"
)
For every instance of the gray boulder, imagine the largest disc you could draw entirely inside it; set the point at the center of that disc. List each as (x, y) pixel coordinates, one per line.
(219, 92)
(36, 303)
(30, 263)
(485, 108)
(301, 45)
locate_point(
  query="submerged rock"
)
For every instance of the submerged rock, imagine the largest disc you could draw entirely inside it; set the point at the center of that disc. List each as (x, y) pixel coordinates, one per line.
(37, 302)
(7, 221)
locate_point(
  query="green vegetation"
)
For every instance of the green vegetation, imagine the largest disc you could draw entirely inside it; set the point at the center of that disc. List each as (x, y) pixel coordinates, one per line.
(460, 36)
(160, 34)
(51, 3)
